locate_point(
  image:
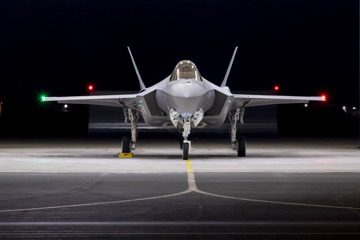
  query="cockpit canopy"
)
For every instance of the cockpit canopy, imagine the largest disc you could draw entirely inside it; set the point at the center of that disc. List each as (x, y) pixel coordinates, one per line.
(185, 70)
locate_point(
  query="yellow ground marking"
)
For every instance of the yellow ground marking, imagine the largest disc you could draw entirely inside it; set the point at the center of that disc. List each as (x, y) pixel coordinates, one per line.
(189, 167)
(125, 155)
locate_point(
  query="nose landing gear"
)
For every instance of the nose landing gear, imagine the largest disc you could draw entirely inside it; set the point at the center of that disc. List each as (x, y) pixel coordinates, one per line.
(184, 122)
(186, 148)
(186, 144)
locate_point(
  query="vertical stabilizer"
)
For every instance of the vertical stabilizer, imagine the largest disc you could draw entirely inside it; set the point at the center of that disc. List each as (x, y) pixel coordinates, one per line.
(223, 84)
(142, 85)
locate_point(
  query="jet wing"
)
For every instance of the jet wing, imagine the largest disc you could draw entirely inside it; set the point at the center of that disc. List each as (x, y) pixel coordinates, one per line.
(122, 100)
(244, 100)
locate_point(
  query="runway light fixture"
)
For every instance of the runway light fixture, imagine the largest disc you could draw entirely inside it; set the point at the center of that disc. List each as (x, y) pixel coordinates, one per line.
(65, 106)
(90, 87)
(276, 88)
(306, 105)
(354, 108)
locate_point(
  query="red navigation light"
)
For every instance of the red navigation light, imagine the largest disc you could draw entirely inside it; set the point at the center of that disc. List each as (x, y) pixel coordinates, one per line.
(90, 87)
(276, 88)
(323, 97)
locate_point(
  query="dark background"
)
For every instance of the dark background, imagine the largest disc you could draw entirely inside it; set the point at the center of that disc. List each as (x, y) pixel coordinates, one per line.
(307, 47)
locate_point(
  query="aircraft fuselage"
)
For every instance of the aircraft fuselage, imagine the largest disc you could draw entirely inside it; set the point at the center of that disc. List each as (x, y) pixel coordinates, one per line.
(185, 96)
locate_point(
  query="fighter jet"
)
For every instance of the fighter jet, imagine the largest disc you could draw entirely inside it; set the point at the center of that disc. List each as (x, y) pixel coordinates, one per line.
(184, 100)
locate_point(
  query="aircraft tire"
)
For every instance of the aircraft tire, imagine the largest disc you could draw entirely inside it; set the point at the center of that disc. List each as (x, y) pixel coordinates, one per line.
(125, 144)
(186, 147)
(241, 147)
(181, 144)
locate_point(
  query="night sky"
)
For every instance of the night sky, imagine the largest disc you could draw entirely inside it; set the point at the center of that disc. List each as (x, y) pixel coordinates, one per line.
(307, 47)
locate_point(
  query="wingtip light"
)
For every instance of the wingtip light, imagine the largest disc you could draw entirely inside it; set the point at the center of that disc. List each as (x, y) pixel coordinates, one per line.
(323, 97)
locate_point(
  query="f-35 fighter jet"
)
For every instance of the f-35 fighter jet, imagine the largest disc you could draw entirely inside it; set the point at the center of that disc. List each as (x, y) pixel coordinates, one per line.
(184, 100)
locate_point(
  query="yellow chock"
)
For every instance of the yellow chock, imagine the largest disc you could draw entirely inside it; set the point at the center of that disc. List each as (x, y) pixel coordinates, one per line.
(125, 155)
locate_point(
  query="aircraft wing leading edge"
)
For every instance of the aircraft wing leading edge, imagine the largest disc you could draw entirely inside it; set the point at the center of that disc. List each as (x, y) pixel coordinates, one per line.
(244, 100)
(124, 100)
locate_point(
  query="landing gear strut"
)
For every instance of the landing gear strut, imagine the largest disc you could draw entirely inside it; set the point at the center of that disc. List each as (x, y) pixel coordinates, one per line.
(184, 122)
(129, 145)
(186, 144)
(238, 145)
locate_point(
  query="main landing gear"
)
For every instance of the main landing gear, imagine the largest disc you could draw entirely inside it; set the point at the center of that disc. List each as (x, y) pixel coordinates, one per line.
(241, 147)
(127, 144)
(237, 144)
(185, 123)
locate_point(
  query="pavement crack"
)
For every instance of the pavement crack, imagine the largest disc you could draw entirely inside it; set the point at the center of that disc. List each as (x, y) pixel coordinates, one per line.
(200, 209)
(193, 187)
(340, 196)
(83, 188)
(96, 180)
(277, 202)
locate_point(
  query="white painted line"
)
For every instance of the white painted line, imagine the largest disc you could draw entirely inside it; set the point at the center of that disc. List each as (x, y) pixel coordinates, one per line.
(191, 188)
(277, 202)
(187, 223)
(94, 204)
(21, 233)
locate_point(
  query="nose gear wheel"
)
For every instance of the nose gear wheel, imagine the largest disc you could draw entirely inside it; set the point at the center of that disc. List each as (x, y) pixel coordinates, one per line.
(186, 148)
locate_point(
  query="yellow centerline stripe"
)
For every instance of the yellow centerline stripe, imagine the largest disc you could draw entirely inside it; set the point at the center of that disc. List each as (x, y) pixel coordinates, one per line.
(188, 166)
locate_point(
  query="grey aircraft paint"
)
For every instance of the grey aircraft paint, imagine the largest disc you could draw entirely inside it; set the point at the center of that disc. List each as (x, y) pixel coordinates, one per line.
(184, 100)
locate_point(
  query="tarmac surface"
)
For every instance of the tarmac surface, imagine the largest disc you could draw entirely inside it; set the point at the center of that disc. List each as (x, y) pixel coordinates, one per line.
(79, 189)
